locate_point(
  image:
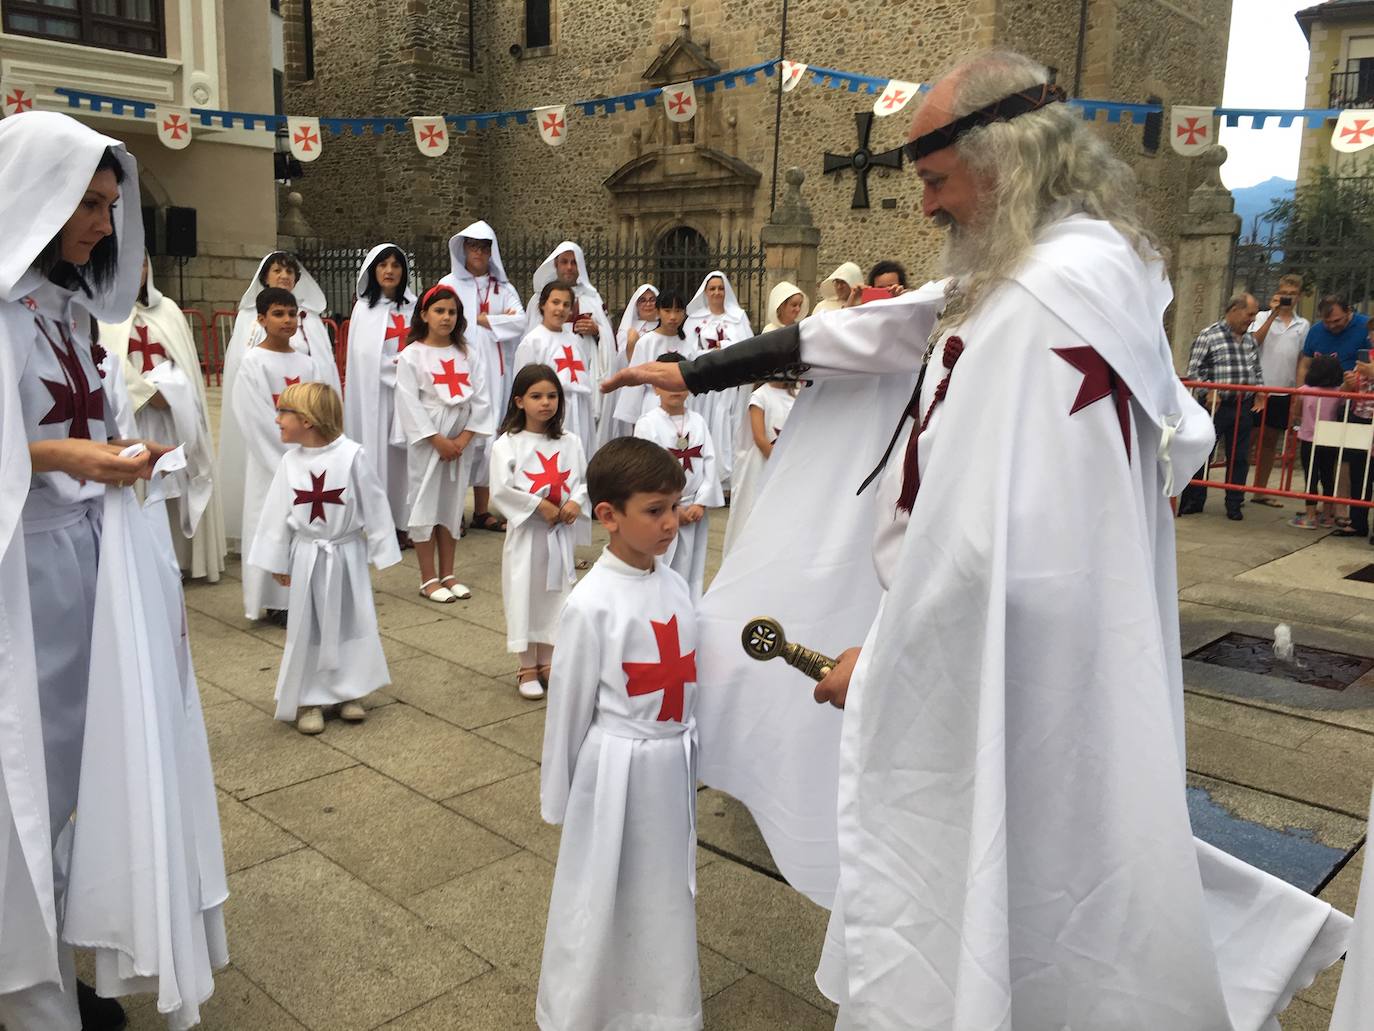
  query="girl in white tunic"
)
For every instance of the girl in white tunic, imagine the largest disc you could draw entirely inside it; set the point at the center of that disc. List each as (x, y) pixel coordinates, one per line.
(377, 331)
(640, 317)
(554, 344)
(715, 320)
(441, 404)
(633, 403)
(620, 950)
(769, 407)
(684, 434)
(282, 271)
(537, 481)
(325, 516)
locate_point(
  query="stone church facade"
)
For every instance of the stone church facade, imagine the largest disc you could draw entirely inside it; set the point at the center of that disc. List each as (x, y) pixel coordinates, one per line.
(637, 174)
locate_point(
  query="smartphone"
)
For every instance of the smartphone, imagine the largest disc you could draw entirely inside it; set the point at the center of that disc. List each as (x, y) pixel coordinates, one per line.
(1285, 302)
(1362, 356)
(875, 293)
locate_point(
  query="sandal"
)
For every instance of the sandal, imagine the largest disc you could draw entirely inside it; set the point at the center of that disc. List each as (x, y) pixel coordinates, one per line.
(1301, 522)
(487, 521)
(582, 563)
(1346, 531)
(533, 688)
(1267, 502)
(544, 672)
(458, 592)
(440, 595)
(1342, 523)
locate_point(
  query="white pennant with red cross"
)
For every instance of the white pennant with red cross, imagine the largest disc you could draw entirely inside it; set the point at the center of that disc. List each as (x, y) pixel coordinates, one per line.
(17, 97)
(680, 101)
(431, 135)
(1354, 130)
(173, 127)
(792, 74)
(303, 134)
(1191, 129)
(895, 96)
(553, 124)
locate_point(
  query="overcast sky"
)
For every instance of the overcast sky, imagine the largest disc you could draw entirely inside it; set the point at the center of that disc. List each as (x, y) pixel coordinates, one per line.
(1266, 66)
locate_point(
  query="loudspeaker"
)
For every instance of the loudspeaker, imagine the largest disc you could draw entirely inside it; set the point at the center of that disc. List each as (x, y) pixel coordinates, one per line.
(150, 229)
(181, 232)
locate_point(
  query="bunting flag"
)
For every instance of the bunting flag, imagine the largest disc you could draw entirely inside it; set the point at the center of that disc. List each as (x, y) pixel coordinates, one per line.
(1191, 129)
(303, 134)
(792, 74)
(1354, 130)
(17, 97)
(895, 96)
(680, 101)
(553, 124)
(174, 127)
(431, 135)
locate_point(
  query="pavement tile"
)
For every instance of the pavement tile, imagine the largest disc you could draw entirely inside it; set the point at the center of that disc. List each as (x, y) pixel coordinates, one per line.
(1303, 1016)
(333, 952)
(717, 972)
(492, 1002)
(756, 1004)
(394, 612)
(516, 888)
(1322, 991)
(211, 695)
(1334, 830)
(248, 838)
(1344, 888)
(253, 753)
(510, 808)
(1248, 721)
(1322, 567)
(1275, 602)
(522, 734)
(724, 823)
(380, 831)
(237, 1005)
(1352, 748)
(423, 752)
(456, 695)
(463, 643)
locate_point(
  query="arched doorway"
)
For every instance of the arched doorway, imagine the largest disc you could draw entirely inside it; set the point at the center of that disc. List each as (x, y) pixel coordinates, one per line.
(684, 257)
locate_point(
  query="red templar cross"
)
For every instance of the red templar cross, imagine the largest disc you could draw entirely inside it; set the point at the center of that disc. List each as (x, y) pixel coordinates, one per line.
(1192, 129)
(306, 138)
(19, 101)
(553, 124)
(549, 475)
(670, 674)
(291, 381)
(896, 99)
(317, 497)
(681, 103)
(1357, 132)
(176, 126)
(685, 456)
(431, 136)
(1099, 381)
(140, 344)
(397, 331)
(452, 379)
(572, 366)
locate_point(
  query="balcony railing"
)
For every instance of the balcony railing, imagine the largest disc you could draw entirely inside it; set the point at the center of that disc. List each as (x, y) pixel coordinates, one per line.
(1352, 89)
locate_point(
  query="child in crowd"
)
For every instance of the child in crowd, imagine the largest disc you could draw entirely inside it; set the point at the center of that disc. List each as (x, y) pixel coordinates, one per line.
(553, 343)
(638, 320)
(686, 437)
(441, 404)
(633, 403)
(769, 407)
(620, 949)
(537, 470)
(1319, 461)
(266, 370)
(325, 516)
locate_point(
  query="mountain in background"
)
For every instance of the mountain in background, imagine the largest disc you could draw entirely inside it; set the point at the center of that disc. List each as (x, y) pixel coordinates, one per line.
(1254, 201)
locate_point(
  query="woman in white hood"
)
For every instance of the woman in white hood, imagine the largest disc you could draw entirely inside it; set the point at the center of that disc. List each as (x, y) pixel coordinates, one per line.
(837, 287)
(715, 320)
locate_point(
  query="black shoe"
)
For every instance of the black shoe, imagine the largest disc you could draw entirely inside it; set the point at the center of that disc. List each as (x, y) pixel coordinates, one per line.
(1184, 510)
(98, 1014)
(1235, 514)
(277, 617)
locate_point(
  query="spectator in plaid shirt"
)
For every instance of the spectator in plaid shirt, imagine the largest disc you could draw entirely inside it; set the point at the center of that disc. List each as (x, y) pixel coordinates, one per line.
(1225, 352)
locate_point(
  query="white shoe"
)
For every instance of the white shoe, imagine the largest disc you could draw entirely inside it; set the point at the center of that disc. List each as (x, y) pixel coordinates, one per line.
(531, 689)
(458, 592)
(352, 711)
(440, 595)
(310, 720)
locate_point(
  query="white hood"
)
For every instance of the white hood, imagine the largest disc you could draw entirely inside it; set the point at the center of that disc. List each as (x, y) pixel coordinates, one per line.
(545, 273)
(780, 293)
(307, 292)
(849, 272)
(372, 256)
(628, 319)
(480, 230)
(699, 306)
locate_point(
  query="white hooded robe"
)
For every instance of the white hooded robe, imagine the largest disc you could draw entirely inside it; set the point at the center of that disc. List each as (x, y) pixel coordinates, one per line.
(694, 448)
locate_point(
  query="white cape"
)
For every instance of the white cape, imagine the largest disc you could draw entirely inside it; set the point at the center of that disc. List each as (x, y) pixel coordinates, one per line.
(1355, 1000)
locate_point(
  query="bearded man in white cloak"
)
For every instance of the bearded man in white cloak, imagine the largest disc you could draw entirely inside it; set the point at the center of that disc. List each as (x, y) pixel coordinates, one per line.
(1014, 849)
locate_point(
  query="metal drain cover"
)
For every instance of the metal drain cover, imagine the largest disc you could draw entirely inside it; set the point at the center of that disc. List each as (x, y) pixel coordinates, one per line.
(1316, 667)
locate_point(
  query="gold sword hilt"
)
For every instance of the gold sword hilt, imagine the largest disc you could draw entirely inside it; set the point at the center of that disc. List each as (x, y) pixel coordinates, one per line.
(763, 639)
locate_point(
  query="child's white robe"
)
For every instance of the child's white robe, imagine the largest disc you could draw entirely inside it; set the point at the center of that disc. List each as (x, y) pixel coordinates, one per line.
(750, 466)
(633, 403)
(600, 346)
(566, 353)
(609, 426)
(1355, 999)
(325, 516)
(439, 390)
(376, 336)
(687, 554)
(620, 950)
(536, 559)
(262, 377)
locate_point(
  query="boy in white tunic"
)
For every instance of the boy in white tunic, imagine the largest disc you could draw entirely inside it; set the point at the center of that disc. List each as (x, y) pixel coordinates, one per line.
(267, 370)
(620, 950)
(687, 438)
(325, 516)
(537, 469)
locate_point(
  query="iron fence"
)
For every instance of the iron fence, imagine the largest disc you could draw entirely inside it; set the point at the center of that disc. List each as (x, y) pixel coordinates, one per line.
(1328, 266)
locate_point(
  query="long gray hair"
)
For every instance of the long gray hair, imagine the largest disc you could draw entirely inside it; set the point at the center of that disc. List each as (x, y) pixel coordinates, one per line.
(1037, 168)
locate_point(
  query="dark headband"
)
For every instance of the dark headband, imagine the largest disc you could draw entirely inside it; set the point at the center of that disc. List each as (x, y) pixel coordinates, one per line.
(1003, 110)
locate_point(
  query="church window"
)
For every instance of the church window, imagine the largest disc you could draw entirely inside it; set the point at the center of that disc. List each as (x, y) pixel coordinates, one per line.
(1154, 127)
(684, 257)
(538, 24)
(136, 26)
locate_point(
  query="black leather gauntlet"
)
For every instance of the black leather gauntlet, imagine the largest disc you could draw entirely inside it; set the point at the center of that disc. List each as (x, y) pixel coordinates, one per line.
(772, 355)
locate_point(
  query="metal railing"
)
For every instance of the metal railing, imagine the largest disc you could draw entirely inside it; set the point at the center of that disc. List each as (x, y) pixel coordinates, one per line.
(1351, 89)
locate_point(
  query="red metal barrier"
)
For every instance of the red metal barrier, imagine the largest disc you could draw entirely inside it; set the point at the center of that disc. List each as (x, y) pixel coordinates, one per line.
(207, 343)
(338, 339)
(218, 332)
(223, 321)
(1358, 456)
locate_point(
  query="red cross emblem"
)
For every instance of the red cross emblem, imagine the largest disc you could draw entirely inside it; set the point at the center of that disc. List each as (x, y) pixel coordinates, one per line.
(73, 400)
(305, 138)
(572, 366)
(670, 674)
(1357, 132)
(549, 475)
(894, 99)
(685, 456)
(553, 124)
(1099, 381)
(397, 331)
(290, 382)
(1192, 129)
(18, 100)
(140, 344)
(30, 304)
(680, 103)
(450, 378)
(175, 126)
(431, 136)
(713, 343)
(317, 497)
(793, 72)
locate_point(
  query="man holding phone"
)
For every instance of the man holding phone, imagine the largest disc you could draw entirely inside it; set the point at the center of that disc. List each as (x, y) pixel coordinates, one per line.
(1280, 334)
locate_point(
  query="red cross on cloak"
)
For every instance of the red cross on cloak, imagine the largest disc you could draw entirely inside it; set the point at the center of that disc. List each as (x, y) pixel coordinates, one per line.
(452, 379)
(145, 347)
(549, 475)
(670, 674)
(714, 343)
(1099, 381)
(73, 400)
(317, 497)
(290, 382)
(397, 331)
(569, 364)
(685, 456)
